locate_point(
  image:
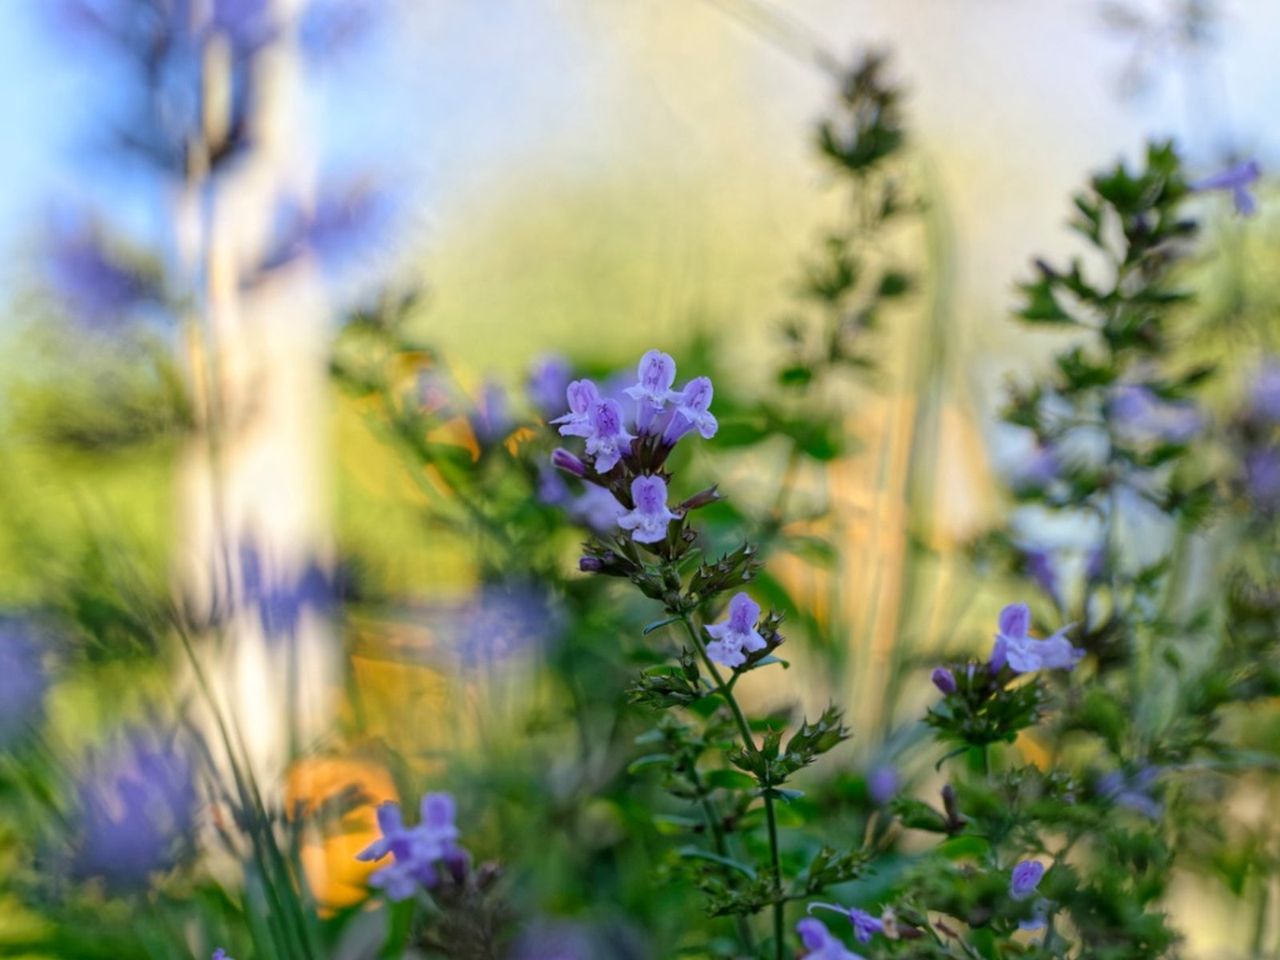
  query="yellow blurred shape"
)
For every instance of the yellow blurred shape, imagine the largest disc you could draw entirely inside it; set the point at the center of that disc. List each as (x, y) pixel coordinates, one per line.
(328, 853)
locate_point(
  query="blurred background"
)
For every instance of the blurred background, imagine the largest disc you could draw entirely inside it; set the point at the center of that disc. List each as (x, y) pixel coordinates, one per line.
(200, 201)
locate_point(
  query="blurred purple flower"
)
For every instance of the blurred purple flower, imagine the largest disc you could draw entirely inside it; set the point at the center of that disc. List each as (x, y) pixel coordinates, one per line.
(1142, 417)
(94, 287)
(137, 805)
(1024, 654)
(547, 382)
(865, 926)
(1133, 792)
(692, 412)
(882, 784)
(340, 226)
(23, 680)
(490, 419)
(327, 28)
(221, 954)
(1262, 477)
(735, 633)
(500, 621)
(1264, 393)
(944, 680)
(1236, 180)
(598, 509)
(649, 520)
(417, 852)
(1025, 879)
(281, 599)
(562, 940)
(819, 942)
(1041, 569)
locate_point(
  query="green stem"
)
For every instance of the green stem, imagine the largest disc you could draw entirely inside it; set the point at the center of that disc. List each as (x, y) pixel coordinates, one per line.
(749, 744)
(715, 825)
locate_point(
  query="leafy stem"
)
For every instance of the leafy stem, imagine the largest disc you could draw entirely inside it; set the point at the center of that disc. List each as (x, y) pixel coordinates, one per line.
(749, 744)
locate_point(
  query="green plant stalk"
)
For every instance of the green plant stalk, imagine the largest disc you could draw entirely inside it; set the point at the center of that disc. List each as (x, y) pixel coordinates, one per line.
(749, 743)
(714, 824)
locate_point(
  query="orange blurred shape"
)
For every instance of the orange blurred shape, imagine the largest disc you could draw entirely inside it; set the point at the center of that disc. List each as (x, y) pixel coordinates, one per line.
(334, 875)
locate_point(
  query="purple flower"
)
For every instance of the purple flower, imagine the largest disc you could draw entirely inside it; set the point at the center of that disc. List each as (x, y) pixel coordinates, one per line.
(417, 851)
(1262, 476)
(1132, 792)
(1022, 653)
(1237, 180)
(23, 680)
(692, 412)
(608, 439)
(736, 633)
(555, 941)
(654, 375)
(490, 420)
(137, 805)
(598, 509)
(95, 287)
(882, 784)
(1142, 417)
(221, 954)
(562, 459)
(821, 945)
(1025, 879)
(281, 599)
(547, 382)
(865, 926)
(649, 520)
(944, 680)
(582, 396)
(498, 622)
(1264, 393)
(1040, 567)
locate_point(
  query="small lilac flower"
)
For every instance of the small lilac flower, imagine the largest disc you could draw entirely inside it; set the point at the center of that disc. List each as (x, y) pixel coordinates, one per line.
(1025, 879)
(137, 808)
(944, 680)
(882, 784)
(1237, 180)
(1040, 567)
(23, 680)
(736, 633)
(692, 412)
(649, 520)
(417, 851)
(1262, 477)
(1141, 416)
(1132, 792)
(221, 954)
(491, 420)
(608, 439)
(821, 945)
(562, 459)
(547, 382)
(865, 925)
(582, 396)
(1022, 653)
(655, 375)
(1264, 393)
(598, 509)
(1037, 470)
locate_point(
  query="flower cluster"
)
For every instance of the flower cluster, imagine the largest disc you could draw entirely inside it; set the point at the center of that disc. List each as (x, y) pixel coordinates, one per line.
(418, 852)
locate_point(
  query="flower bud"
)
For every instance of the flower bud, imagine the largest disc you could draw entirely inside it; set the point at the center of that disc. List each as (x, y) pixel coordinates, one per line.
(944, 680)
(562, 459)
